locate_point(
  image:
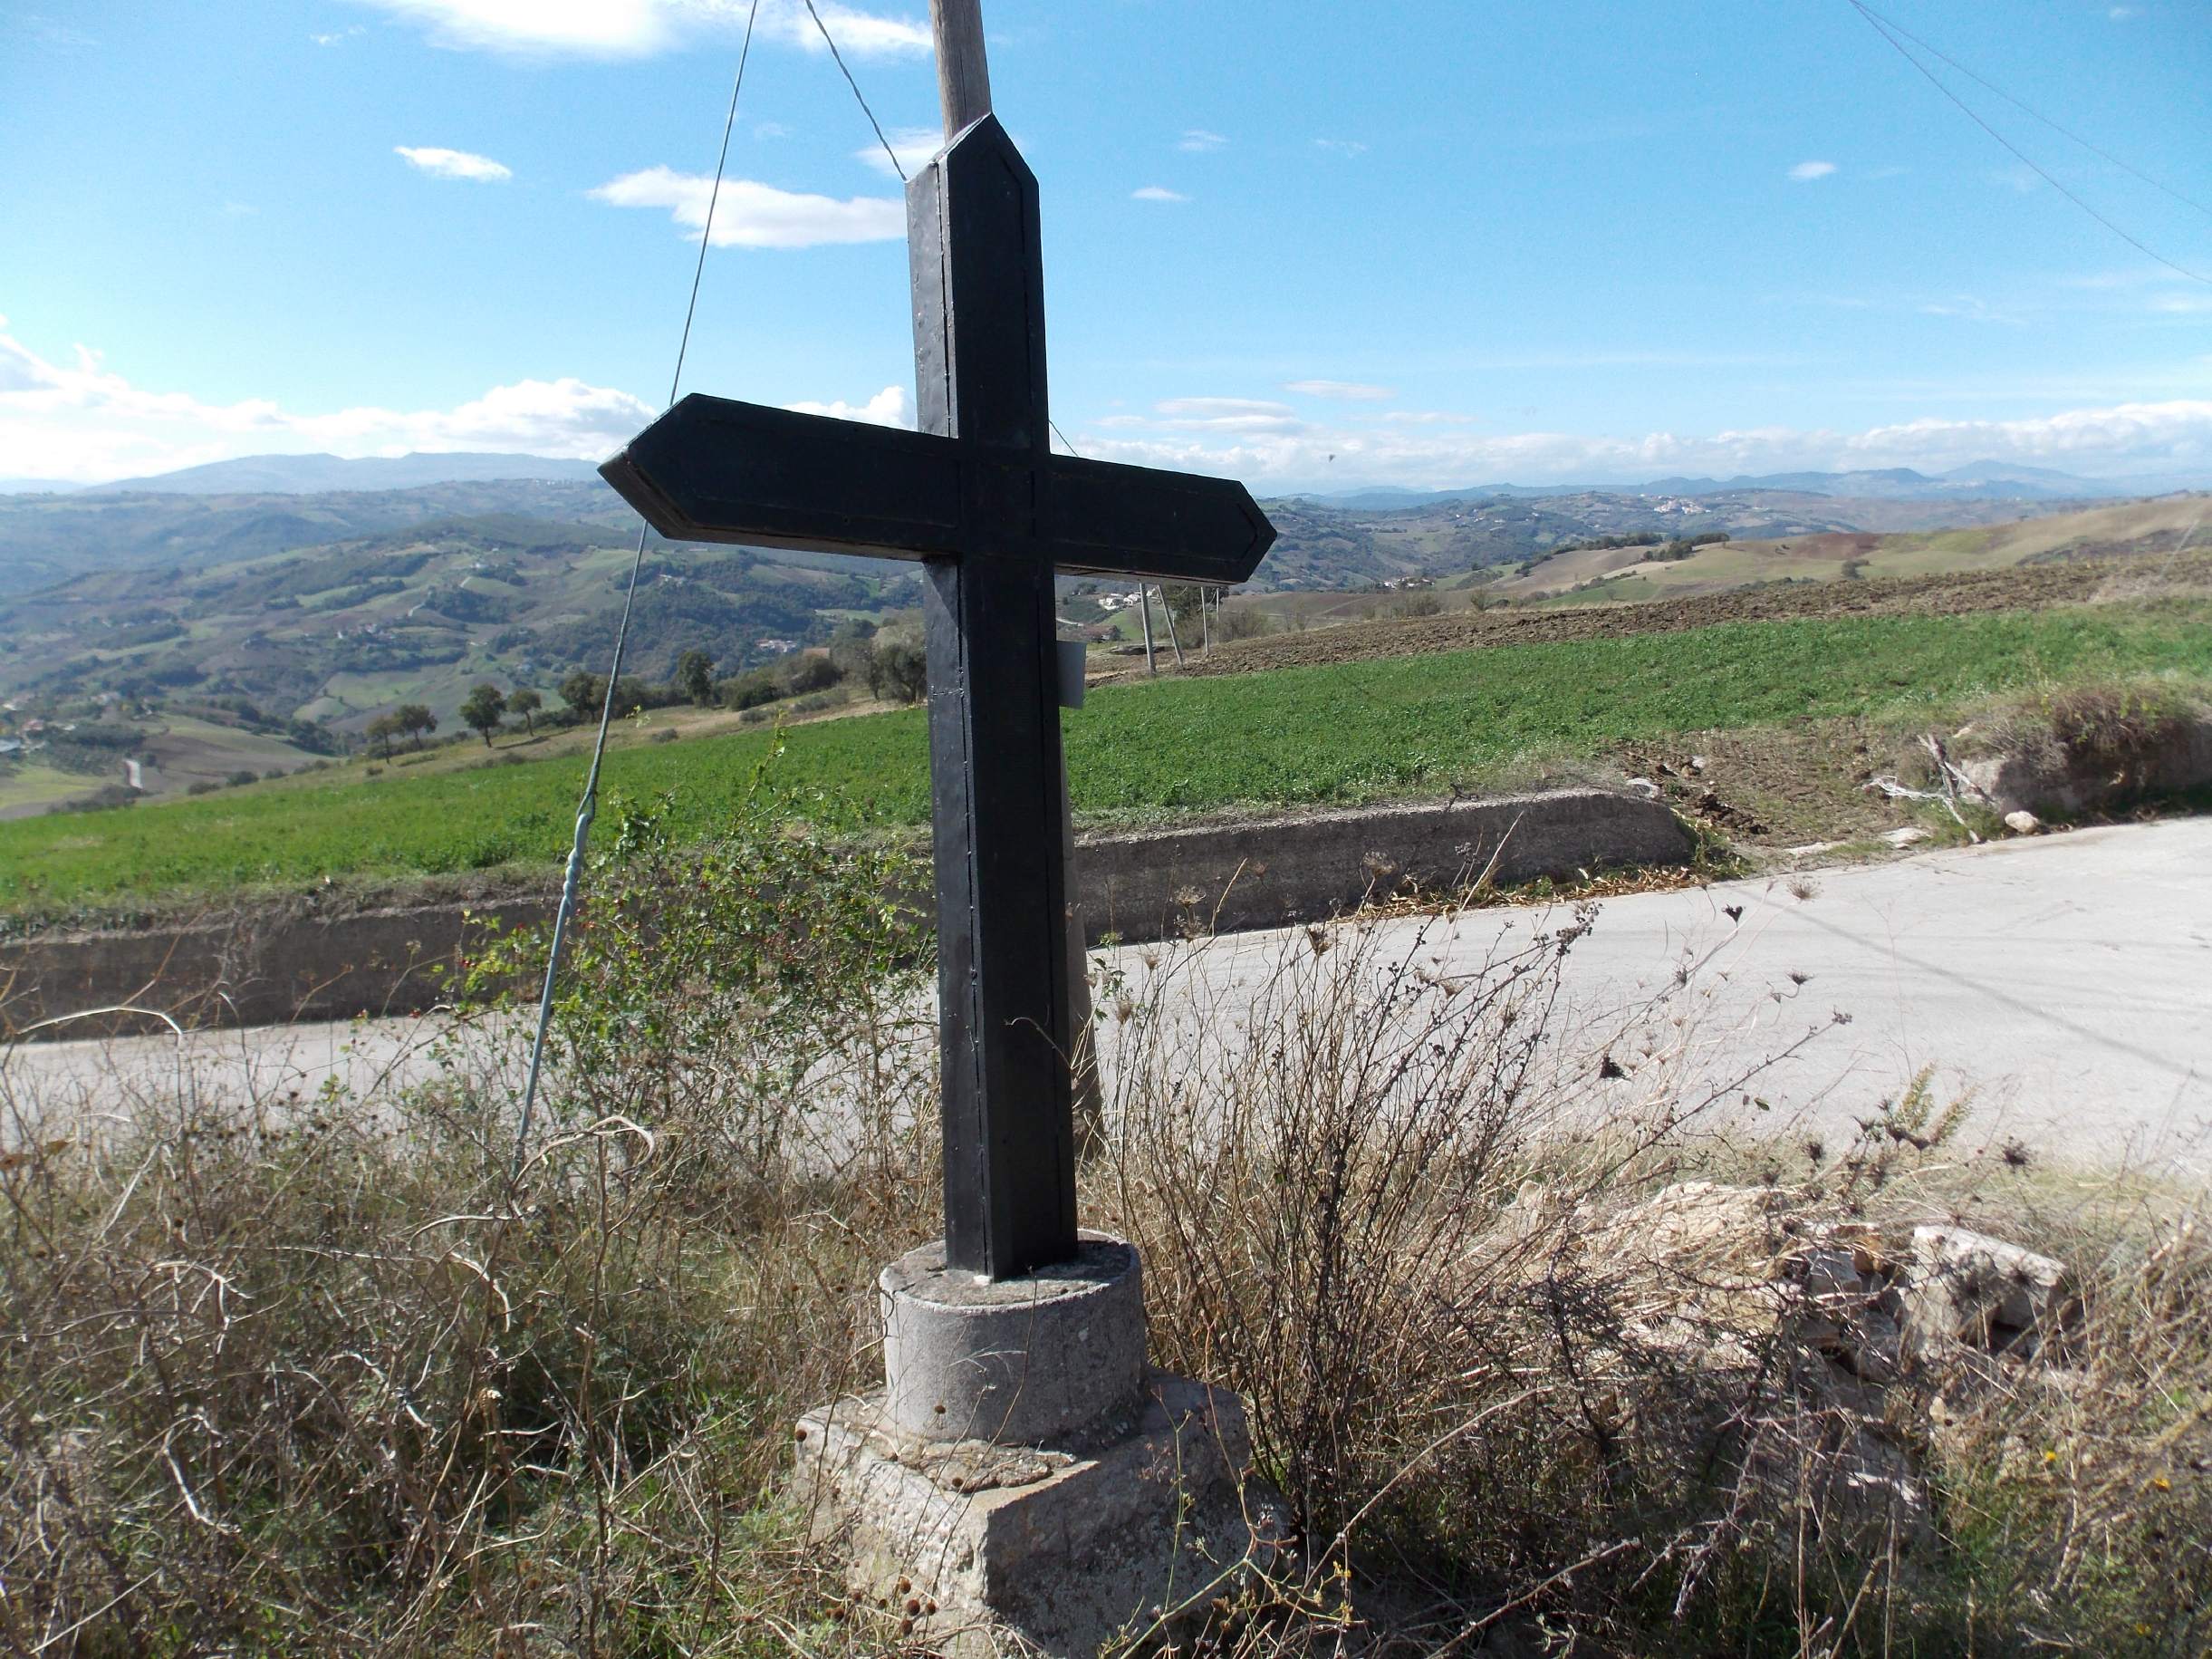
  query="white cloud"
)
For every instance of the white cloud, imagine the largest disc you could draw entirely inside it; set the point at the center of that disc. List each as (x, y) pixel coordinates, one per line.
(1242, 438)
(83, 421)
(454, 164)
(914, 146)
(1180, 407)
(1968, 308)
(638, 28)
(1227, 415)
(1197, 141)
(1805, 170)
(80, 420)
(1156, 193)
(1341, 147)
(890, 407)
(749, 214)
(1349, 391)
(594, 28)
(2120, 14)
(335, 35)
(865, 34)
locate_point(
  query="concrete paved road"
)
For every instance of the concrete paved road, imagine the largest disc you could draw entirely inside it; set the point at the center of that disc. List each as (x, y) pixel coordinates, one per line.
(2067, 979)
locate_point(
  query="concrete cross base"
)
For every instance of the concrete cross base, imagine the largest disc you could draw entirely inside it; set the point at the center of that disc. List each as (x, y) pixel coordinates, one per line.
(1130, 1531)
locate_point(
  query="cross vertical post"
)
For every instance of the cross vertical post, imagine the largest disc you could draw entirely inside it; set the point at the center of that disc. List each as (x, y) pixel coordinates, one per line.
(978, 290)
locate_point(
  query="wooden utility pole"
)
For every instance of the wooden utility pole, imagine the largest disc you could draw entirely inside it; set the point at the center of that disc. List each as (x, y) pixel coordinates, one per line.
(963, 73)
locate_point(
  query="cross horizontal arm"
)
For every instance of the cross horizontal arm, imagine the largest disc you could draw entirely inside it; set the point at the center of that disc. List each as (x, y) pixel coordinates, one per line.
(713, 469)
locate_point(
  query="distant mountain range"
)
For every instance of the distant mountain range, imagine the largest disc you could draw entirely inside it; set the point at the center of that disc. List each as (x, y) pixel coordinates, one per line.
(1977, 480)
(303, 475)
(306, 474)
(315, 475)
(46, 539)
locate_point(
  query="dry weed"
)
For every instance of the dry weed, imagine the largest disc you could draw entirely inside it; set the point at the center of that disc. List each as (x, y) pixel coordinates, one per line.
(316, 1376)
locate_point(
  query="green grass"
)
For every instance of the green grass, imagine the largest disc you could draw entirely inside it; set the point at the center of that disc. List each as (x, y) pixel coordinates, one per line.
(1295, 737)
(35, 783)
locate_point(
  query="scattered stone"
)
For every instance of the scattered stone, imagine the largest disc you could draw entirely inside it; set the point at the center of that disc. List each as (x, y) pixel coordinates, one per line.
(2023, 822)
(1706, 1219)
(1808, 1325)
(1728, 815)
(1698, 762)
(1966, 1289)
(1911, 835)
(1645, 787)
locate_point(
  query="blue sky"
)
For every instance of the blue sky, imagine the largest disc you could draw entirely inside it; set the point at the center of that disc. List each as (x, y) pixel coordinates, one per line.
(1307, 242)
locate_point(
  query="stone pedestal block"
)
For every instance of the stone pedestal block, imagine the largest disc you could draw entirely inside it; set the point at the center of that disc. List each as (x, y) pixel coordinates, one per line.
(1024, 1482)
(1019, 1362)
(1053, 1550)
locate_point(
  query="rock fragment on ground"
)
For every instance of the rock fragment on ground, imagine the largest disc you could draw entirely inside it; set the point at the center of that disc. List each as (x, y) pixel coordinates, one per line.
(1832, 1338)
(1966, 1289)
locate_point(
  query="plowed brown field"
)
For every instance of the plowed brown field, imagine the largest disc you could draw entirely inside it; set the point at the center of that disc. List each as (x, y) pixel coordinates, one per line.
(2025, 588)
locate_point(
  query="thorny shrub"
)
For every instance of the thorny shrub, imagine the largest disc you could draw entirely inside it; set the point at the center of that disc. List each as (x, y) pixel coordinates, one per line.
(284, 1374)
(765, 993)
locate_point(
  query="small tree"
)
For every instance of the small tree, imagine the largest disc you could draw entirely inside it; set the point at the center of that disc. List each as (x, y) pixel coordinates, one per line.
(810, 673)
(414, 720)
(584, 691)
(899, 668)
(695, 678)
(381, 731)
(750, 690)
(525, 702)
(851, 644)
(483, 708)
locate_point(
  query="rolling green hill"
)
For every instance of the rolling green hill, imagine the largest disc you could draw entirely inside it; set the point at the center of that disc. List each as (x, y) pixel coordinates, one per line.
(45, 538)
(233, 629)
(1329, 734)
(1620, 575)
(340, 631)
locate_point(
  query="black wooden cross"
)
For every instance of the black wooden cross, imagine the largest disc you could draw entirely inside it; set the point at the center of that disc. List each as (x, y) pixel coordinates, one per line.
(978, 495)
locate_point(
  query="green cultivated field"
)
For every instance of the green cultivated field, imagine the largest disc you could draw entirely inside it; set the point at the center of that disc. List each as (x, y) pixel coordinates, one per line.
(1310, 736)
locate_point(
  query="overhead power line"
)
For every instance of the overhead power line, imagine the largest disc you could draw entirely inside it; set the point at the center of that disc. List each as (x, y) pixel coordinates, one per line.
(1935, 81)
(855, 85)
(2023, 105)
(588, 806)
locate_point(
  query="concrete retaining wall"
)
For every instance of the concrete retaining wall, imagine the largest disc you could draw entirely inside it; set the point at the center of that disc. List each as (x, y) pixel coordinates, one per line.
(269, 965)
(1270, 872)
